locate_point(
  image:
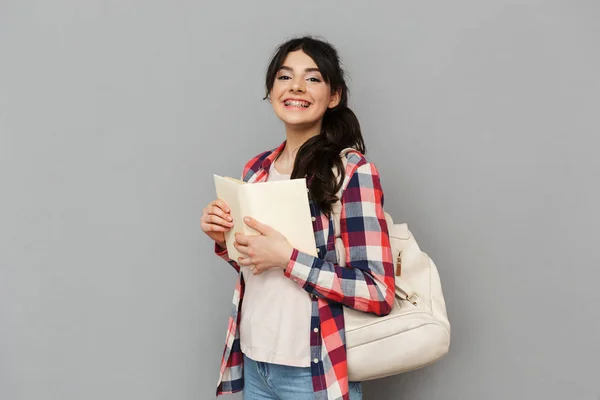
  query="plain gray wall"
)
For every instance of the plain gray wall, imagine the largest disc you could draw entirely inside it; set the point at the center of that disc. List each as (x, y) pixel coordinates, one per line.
(482, 116)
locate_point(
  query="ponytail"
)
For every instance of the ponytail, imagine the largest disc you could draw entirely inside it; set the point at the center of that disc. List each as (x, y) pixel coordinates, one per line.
(318, 156)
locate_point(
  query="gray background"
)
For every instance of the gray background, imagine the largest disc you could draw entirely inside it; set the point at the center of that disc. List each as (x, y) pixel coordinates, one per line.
(482, 117)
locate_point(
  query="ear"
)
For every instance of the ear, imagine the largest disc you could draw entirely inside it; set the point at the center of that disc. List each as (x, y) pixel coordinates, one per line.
(335, 99)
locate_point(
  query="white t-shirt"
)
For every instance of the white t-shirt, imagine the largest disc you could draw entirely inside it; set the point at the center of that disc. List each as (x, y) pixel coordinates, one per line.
(275, 314)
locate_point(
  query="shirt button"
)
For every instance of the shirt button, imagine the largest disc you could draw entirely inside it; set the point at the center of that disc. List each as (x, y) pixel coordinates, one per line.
(316, 360)
(318, 250)
(314, 219)
(316, 330)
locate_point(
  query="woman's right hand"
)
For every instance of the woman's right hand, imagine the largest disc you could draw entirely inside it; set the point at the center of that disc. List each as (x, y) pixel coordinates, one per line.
(216, 220)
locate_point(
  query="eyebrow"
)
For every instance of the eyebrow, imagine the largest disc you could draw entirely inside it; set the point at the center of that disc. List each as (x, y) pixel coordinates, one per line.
(292, 69)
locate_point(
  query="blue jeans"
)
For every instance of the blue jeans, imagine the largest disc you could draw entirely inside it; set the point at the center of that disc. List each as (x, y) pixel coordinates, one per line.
(265, 381)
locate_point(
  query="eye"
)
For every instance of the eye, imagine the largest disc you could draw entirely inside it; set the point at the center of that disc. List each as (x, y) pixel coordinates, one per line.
(284, 78)
(314, 79)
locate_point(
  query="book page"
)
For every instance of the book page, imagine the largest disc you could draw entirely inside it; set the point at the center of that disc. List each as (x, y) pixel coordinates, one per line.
(284, 206)
(228, 191)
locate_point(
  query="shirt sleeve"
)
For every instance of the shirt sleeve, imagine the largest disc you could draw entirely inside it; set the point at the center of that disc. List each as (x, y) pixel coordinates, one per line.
(222, 252)
(366, 283)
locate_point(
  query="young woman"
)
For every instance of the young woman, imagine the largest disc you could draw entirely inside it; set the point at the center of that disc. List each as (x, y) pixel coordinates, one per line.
(287, 341)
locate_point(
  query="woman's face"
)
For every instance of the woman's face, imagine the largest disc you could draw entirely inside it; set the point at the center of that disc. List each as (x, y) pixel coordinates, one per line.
(300, 96)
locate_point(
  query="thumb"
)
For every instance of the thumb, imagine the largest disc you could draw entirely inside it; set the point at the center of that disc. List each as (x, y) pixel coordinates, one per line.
(261, 228)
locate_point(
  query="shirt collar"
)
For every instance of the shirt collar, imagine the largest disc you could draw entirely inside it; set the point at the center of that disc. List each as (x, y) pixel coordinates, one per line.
(266, 164)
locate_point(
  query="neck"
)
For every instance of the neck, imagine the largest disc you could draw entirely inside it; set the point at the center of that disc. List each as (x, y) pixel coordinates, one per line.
(295, 138)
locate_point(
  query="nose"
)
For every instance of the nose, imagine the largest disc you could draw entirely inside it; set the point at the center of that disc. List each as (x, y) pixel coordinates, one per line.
(298, 85)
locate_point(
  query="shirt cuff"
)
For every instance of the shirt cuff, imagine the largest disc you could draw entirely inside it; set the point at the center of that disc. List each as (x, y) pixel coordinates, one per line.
(220, 251)
(300, 267)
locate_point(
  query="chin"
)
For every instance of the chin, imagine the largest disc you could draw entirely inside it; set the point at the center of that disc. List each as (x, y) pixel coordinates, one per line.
(297, 121)
(299, 124)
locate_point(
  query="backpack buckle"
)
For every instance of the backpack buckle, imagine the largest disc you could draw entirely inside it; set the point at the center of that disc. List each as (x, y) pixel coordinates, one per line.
(413, 299)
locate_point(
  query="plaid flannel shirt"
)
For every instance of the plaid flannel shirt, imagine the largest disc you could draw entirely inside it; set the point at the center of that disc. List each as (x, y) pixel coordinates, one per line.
(365, 284)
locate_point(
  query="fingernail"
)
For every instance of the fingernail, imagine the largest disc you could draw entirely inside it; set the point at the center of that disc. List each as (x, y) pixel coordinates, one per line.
(246, 219)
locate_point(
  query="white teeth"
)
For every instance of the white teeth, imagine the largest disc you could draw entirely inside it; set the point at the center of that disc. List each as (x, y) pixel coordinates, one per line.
(295, 103)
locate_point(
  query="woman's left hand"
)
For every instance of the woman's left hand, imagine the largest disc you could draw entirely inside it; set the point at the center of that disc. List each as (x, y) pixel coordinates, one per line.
(268, 250)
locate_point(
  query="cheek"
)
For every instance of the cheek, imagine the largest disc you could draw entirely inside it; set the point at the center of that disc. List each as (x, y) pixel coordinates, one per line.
(323, 101)
(274, 94)
(322, 96)
(279, 87)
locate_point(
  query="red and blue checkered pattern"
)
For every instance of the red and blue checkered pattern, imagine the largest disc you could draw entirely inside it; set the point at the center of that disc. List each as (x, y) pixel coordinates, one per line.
(365, 284)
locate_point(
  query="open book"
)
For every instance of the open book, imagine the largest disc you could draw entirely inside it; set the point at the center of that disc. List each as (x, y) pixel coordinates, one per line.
(283, 205)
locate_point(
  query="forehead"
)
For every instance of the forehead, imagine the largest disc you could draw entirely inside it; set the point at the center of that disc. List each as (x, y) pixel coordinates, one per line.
(299, 60)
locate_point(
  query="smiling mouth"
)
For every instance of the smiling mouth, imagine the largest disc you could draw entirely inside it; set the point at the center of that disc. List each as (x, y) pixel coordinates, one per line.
(296, 103)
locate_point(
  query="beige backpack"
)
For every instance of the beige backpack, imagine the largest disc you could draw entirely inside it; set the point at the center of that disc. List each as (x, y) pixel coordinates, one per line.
(416, 333)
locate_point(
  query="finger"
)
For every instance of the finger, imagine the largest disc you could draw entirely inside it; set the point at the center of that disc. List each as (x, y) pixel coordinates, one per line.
(218, 211)
(214, 228)
(245, 261)
(215, 219)
(242, 239)
(242, 249)
(222, 205)
(261, 228)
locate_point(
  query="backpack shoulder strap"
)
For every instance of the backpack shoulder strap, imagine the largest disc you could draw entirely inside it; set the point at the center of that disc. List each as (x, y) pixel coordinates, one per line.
(336, 209)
